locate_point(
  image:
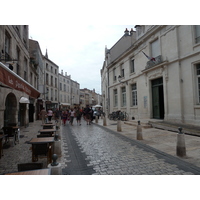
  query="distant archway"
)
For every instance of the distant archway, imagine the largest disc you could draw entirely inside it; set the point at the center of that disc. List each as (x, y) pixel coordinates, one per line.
(10, 112)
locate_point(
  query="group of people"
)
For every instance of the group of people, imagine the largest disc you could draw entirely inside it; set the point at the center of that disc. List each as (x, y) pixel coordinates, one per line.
(68, 115)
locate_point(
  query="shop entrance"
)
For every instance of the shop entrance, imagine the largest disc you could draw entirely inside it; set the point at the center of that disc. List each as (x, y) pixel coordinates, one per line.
(158, 98)
(10, 112)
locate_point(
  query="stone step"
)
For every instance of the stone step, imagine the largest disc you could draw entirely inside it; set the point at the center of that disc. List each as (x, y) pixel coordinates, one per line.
(174, 127)
(135, 123)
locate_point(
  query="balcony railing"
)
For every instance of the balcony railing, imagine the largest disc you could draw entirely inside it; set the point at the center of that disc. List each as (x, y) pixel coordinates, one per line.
(157, 61)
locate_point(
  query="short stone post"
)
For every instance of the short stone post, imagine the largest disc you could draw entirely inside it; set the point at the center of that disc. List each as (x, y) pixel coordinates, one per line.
(119, 127)
(139, 131)
(180, 147)
(57, 146)
(96, 119)
(54, 166)
(104, 121)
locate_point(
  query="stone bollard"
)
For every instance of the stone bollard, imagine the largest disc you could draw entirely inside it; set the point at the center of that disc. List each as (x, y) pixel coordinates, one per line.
(104, 121)
(57, 146)
(119, 127)
(54, 166)
(180, 147)
(139, 131)
(96, 119)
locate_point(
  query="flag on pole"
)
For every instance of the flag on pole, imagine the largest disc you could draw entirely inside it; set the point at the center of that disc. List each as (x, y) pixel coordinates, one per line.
(150, 58)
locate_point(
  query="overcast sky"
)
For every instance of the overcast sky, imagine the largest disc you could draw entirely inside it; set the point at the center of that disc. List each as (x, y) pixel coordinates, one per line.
(78, 49)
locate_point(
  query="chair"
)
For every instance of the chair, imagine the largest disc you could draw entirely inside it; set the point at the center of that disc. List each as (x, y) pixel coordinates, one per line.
(41, 150)
(9, 132)
(29, 166)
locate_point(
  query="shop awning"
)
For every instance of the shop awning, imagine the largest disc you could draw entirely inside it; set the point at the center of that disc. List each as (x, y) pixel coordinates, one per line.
(12, 80)
(24, 100)
(65, 104)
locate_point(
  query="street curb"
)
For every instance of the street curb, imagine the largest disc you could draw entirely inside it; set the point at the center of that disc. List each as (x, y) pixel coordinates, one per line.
(160, 154)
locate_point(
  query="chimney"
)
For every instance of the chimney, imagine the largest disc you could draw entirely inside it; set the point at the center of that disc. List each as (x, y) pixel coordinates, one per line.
(62, 72)
(65, 73)
(126, 32)
(131, 32)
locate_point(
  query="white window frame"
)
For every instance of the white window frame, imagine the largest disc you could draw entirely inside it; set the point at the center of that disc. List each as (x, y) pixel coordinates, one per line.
(198, 82)
(132, 65)
(115, 97)
(122, 70)
(114, 75)
(123, 91)
(134, 94)
(155, 48)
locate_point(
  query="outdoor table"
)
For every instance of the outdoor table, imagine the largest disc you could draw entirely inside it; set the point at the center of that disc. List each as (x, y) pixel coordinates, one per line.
(42, 140)
(46, 171)
(50, 130)
(48, 126)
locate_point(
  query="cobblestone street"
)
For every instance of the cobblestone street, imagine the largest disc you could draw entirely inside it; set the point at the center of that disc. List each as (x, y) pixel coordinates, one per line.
(109, 153)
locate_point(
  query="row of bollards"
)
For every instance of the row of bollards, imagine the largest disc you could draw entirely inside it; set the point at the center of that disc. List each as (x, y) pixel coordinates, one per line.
(55, 166)
(180, 146)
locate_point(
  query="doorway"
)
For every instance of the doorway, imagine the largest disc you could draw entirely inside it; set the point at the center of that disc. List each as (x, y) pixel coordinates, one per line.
(10, 109)
(158, 98)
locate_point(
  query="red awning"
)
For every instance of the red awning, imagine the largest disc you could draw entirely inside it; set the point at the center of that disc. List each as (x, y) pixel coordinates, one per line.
(14, 81)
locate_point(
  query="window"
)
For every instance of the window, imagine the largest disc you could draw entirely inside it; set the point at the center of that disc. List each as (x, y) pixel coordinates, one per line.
(60, 86)
(47, 79)
(25, 69)
(114, 74)
(132, 66)
(198, 81)
(197, 33)
(64, 87)
(51, 80)
(115, 98)
(134, 94)
(155, 49)
(123, 97)
(122, 70)
(7, 45)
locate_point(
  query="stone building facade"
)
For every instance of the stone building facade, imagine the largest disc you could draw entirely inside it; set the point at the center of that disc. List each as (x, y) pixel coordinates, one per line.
(18, 77)
(157, 76)
(51, 83)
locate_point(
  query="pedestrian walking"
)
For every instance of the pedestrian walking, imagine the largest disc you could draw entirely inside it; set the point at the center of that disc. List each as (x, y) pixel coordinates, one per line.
(43, 115)
(57, 115)
(87, 115)
(78, 116)
(50, 115)
(64, 117)
(72, 115)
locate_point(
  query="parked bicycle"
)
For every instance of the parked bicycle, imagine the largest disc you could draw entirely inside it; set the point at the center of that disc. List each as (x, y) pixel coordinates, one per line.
(118, 115)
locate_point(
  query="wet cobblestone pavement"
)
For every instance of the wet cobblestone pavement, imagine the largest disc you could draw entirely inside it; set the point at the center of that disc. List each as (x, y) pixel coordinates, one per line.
(109, 154)
(97, 150)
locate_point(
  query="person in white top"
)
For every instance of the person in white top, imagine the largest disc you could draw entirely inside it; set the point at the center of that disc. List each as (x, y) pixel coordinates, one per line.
(49, 114)
(72, 115)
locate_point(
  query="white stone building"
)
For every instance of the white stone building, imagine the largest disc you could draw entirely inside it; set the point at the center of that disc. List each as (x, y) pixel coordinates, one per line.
(64, 90)
(51, 83)
(167, 87)
(18, 77)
